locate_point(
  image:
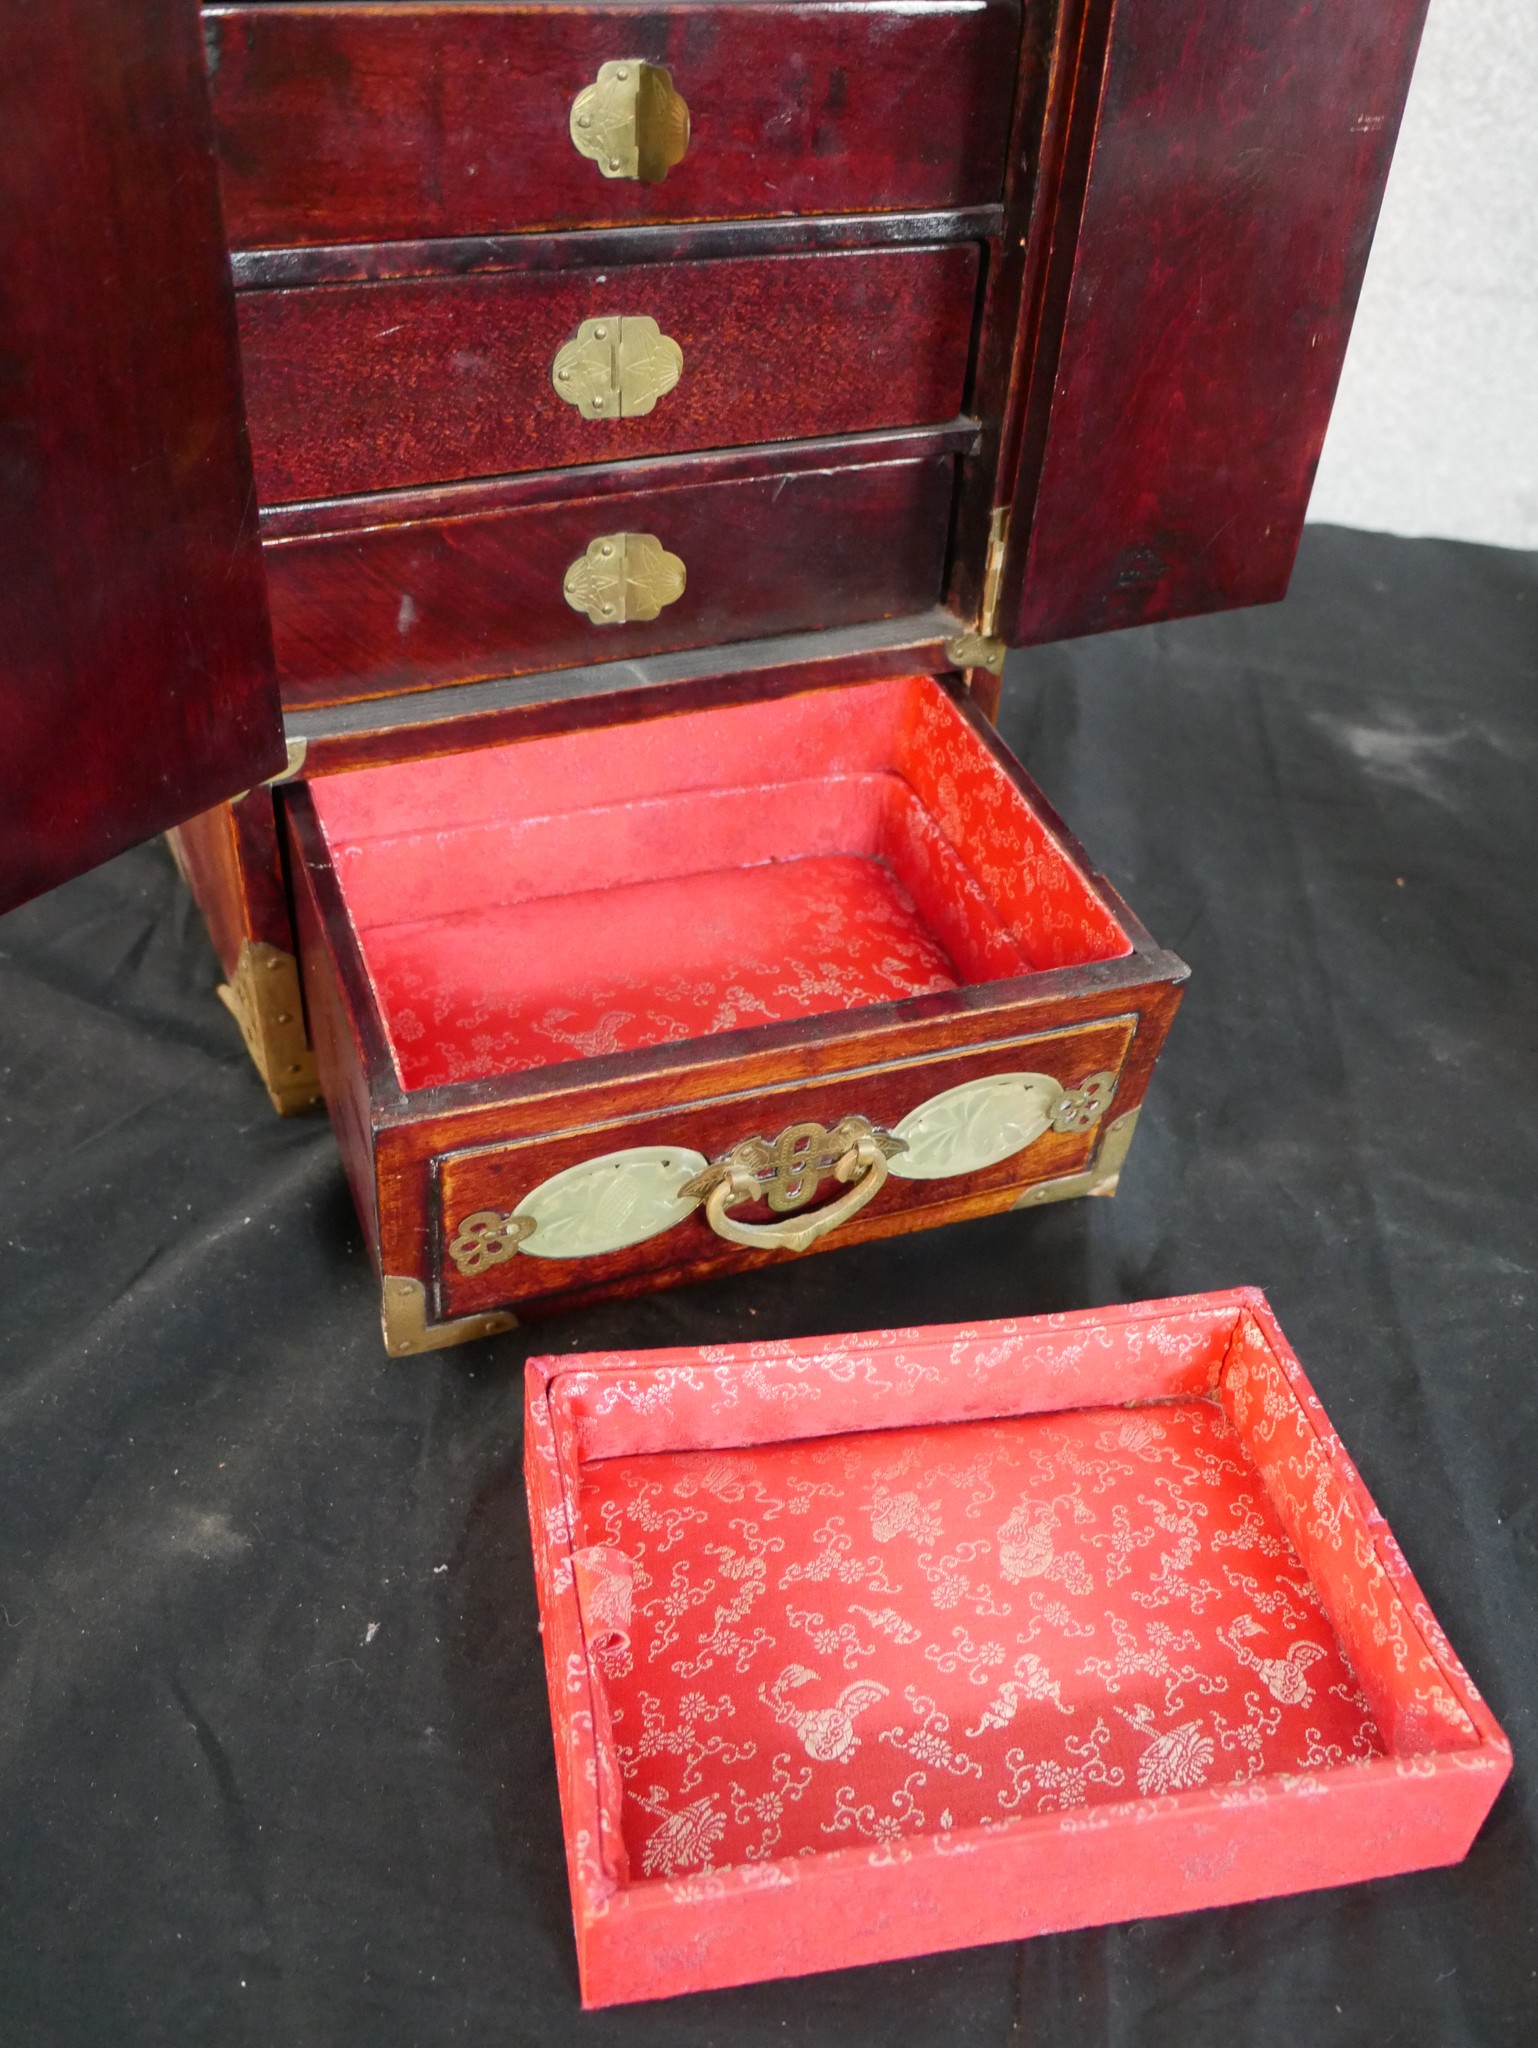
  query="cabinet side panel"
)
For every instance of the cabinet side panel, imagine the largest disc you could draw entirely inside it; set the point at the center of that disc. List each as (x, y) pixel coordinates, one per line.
(1202, 285)
(229, 856)
(342, 1051)
(136, 682)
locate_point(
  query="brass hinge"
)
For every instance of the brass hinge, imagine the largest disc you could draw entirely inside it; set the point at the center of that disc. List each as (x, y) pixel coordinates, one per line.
(294, 753)
(975, 650)
(993, 568)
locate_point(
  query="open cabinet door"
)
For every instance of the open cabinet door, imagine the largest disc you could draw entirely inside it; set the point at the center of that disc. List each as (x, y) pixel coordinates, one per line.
(1217, 167)
(136, 677)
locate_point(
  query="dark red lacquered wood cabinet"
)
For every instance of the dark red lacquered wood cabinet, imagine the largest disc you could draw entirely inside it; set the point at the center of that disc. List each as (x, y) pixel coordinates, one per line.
(536, 498)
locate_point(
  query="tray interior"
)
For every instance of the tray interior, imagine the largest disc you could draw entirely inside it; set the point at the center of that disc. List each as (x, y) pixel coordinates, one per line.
(875, 1636)
(603, 890)
(867, 1645)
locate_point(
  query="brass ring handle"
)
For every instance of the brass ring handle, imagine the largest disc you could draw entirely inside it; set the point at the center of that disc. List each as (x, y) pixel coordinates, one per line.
(865, 1159)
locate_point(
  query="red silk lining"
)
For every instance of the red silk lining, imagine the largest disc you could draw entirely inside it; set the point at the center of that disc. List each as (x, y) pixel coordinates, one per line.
(906, 1632)
(868, 1645)
(628, 886)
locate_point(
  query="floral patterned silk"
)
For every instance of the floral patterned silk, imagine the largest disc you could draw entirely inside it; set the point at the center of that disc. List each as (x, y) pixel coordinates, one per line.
(871, 1637)
(870, 1645)
(598, 891)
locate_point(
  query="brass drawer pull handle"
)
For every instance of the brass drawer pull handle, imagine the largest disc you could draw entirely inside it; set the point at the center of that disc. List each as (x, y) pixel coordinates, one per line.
(787, 1173)
(631, 122)
(615, 1200)
(623, 577)
(617, 367)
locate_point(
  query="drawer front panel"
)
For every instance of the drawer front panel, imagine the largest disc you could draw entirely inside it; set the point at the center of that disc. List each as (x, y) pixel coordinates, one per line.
(555, 1214)
(403, 607)
(347, 123)
(371, 387)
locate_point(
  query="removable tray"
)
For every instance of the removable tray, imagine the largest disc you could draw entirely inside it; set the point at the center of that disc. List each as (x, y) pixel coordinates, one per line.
(862, 1647)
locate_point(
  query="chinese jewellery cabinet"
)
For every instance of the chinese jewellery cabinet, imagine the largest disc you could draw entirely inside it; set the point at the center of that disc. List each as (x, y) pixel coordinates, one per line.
(538, 497)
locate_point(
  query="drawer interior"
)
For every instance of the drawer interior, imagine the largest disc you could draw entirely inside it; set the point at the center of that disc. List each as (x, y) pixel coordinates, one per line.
(601, 891)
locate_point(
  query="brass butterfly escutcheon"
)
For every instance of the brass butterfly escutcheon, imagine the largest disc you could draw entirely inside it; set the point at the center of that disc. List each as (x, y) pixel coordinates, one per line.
(631, 122)
(617, 367)
(623, 577)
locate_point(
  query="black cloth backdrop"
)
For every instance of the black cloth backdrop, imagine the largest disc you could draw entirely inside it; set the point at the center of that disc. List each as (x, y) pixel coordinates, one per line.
(276, 1757)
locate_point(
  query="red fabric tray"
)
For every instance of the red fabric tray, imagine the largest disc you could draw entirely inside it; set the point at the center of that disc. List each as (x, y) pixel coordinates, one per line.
(866, 1646)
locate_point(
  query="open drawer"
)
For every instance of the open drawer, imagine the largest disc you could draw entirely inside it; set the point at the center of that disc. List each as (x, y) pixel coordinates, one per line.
(865, 1646)
(608, 1008)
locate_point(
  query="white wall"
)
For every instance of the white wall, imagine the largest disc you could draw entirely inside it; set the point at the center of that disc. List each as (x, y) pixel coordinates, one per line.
(1435, 430)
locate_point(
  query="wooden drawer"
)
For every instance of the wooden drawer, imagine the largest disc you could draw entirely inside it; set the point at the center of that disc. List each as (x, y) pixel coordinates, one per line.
(628, 1004)
(378, 596)
(346, 123)
(604, 1199)
(370, 387)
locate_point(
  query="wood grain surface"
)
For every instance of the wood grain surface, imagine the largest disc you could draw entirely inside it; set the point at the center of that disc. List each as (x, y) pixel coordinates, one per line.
(371, 387)
(1222, 172)
(229, 858)
(136, 678)
(442, 598)
(345, 123)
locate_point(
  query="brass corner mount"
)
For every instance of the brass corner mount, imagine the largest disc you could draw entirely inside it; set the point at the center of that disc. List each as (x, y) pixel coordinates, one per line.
(262, 995)
(407, 1332)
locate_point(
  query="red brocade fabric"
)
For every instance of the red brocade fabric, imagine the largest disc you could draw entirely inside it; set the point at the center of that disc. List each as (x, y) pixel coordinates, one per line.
(652, 963)
(603, 890)
(814, 1644)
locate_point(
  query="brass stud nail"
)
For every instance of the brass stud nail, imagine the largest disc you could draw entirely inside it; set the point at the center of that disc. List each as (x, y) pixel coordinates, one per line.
(563, 376)
(584, 120)
(623, 71)
(614, 163)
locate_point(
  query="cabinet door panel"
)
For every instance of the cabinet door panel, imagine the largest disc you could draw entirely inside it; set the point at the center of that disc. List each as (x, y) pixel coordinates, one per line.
(1221, 176)
(136, 681)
